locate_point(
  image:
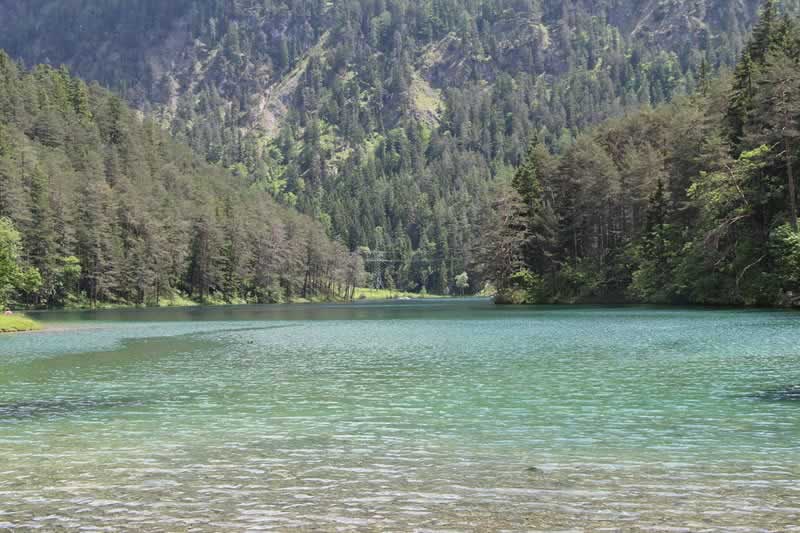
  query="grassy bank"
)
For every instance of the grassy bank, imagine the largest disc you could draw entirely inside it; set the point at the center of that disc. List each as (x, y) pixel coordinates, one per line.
(181, 300)
(385, 294)
(17, 323)
(172, 300)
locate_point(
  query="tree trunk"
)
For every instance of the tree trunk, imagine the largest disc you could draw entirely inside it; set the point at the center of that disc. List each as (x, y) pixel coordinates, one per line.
(792, 185)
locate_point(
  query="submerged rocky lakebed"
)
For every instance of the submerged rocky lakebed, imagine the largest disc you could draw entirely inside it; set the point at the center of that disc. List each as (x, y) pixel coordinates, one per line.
(451, 415)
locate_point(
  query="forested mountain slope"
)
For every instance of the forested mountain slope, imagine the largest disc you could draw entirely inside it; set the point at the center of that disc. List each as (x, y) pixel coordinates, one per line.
(110, 209)
(386, 120)
(695, 201)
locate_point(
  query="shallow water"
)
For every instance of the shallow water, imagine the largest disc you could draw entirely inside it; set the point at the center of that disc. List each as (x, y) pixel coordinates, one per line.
(435, 416)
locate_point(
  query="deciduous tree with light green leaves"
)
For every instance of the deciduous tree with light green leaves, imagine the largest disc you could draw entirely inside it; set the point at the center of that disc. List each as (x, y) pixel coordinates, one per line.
(13, 275)
(462, 282)
(785, 245)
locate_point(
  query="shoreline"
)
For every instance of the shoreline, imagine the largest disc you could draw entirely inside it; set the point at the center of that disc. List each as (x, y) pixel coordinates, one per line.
(689, 305)
(361, 295)
(20, 322)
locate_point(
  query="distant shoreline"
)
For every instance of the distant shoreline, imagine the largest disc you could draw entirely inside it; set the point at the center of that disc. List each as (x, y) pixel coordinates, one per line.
(180, 301)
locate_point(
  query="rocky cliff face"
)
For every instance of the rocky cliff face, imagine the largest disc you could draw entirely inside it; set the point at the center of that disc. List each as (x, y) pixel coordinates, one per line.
(247, 50)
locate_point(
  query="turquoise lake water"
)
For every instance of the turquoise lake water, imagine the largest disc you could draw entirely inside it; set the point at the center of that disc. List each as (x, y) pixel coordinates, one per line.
(434, 416)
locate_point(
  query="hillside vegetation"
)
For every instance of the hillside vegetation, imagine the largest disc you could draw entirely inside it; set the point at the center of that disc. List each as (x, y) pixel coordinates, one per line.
(388, 121)
(99, 205)
(695, 201)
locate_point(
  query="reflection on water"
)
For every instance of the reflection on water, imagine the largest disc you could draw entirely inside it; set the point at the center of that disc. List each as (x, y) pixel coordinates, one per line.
(437, 416)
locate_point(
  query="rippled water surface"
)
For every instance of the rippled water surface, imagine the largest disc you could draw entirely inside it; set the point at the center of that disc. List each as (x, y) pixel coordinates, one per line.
(432, 417)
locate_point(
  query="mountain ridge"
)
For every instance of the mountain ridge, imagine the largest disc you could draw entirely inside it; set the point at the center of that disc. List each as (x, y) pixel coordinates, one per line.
(382, 119)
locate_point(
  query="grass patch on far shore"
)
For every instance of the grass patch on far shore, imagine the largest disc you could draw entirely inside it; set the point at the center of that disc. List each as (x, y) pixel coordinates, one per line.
(177, 300)
(386, 294)
(17, 323)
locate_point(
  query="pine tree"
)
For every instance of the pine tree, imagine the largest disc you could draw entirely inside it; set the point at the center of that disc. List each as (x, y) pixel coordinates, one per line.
(776, 108)
(764, 33)
(526, 180)
(763, 38)
(40, 237)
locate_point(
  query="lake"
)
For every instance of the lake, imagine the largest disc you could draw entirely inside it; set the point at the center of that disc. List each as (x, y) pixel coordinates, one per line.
(431, 416)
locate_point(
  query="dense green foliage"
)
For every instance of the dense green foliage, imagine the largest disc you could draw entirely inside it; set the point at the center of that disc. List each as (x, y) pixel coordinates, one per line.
(695, 201)
(108, 208)
(13, 275)
(386, 120)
